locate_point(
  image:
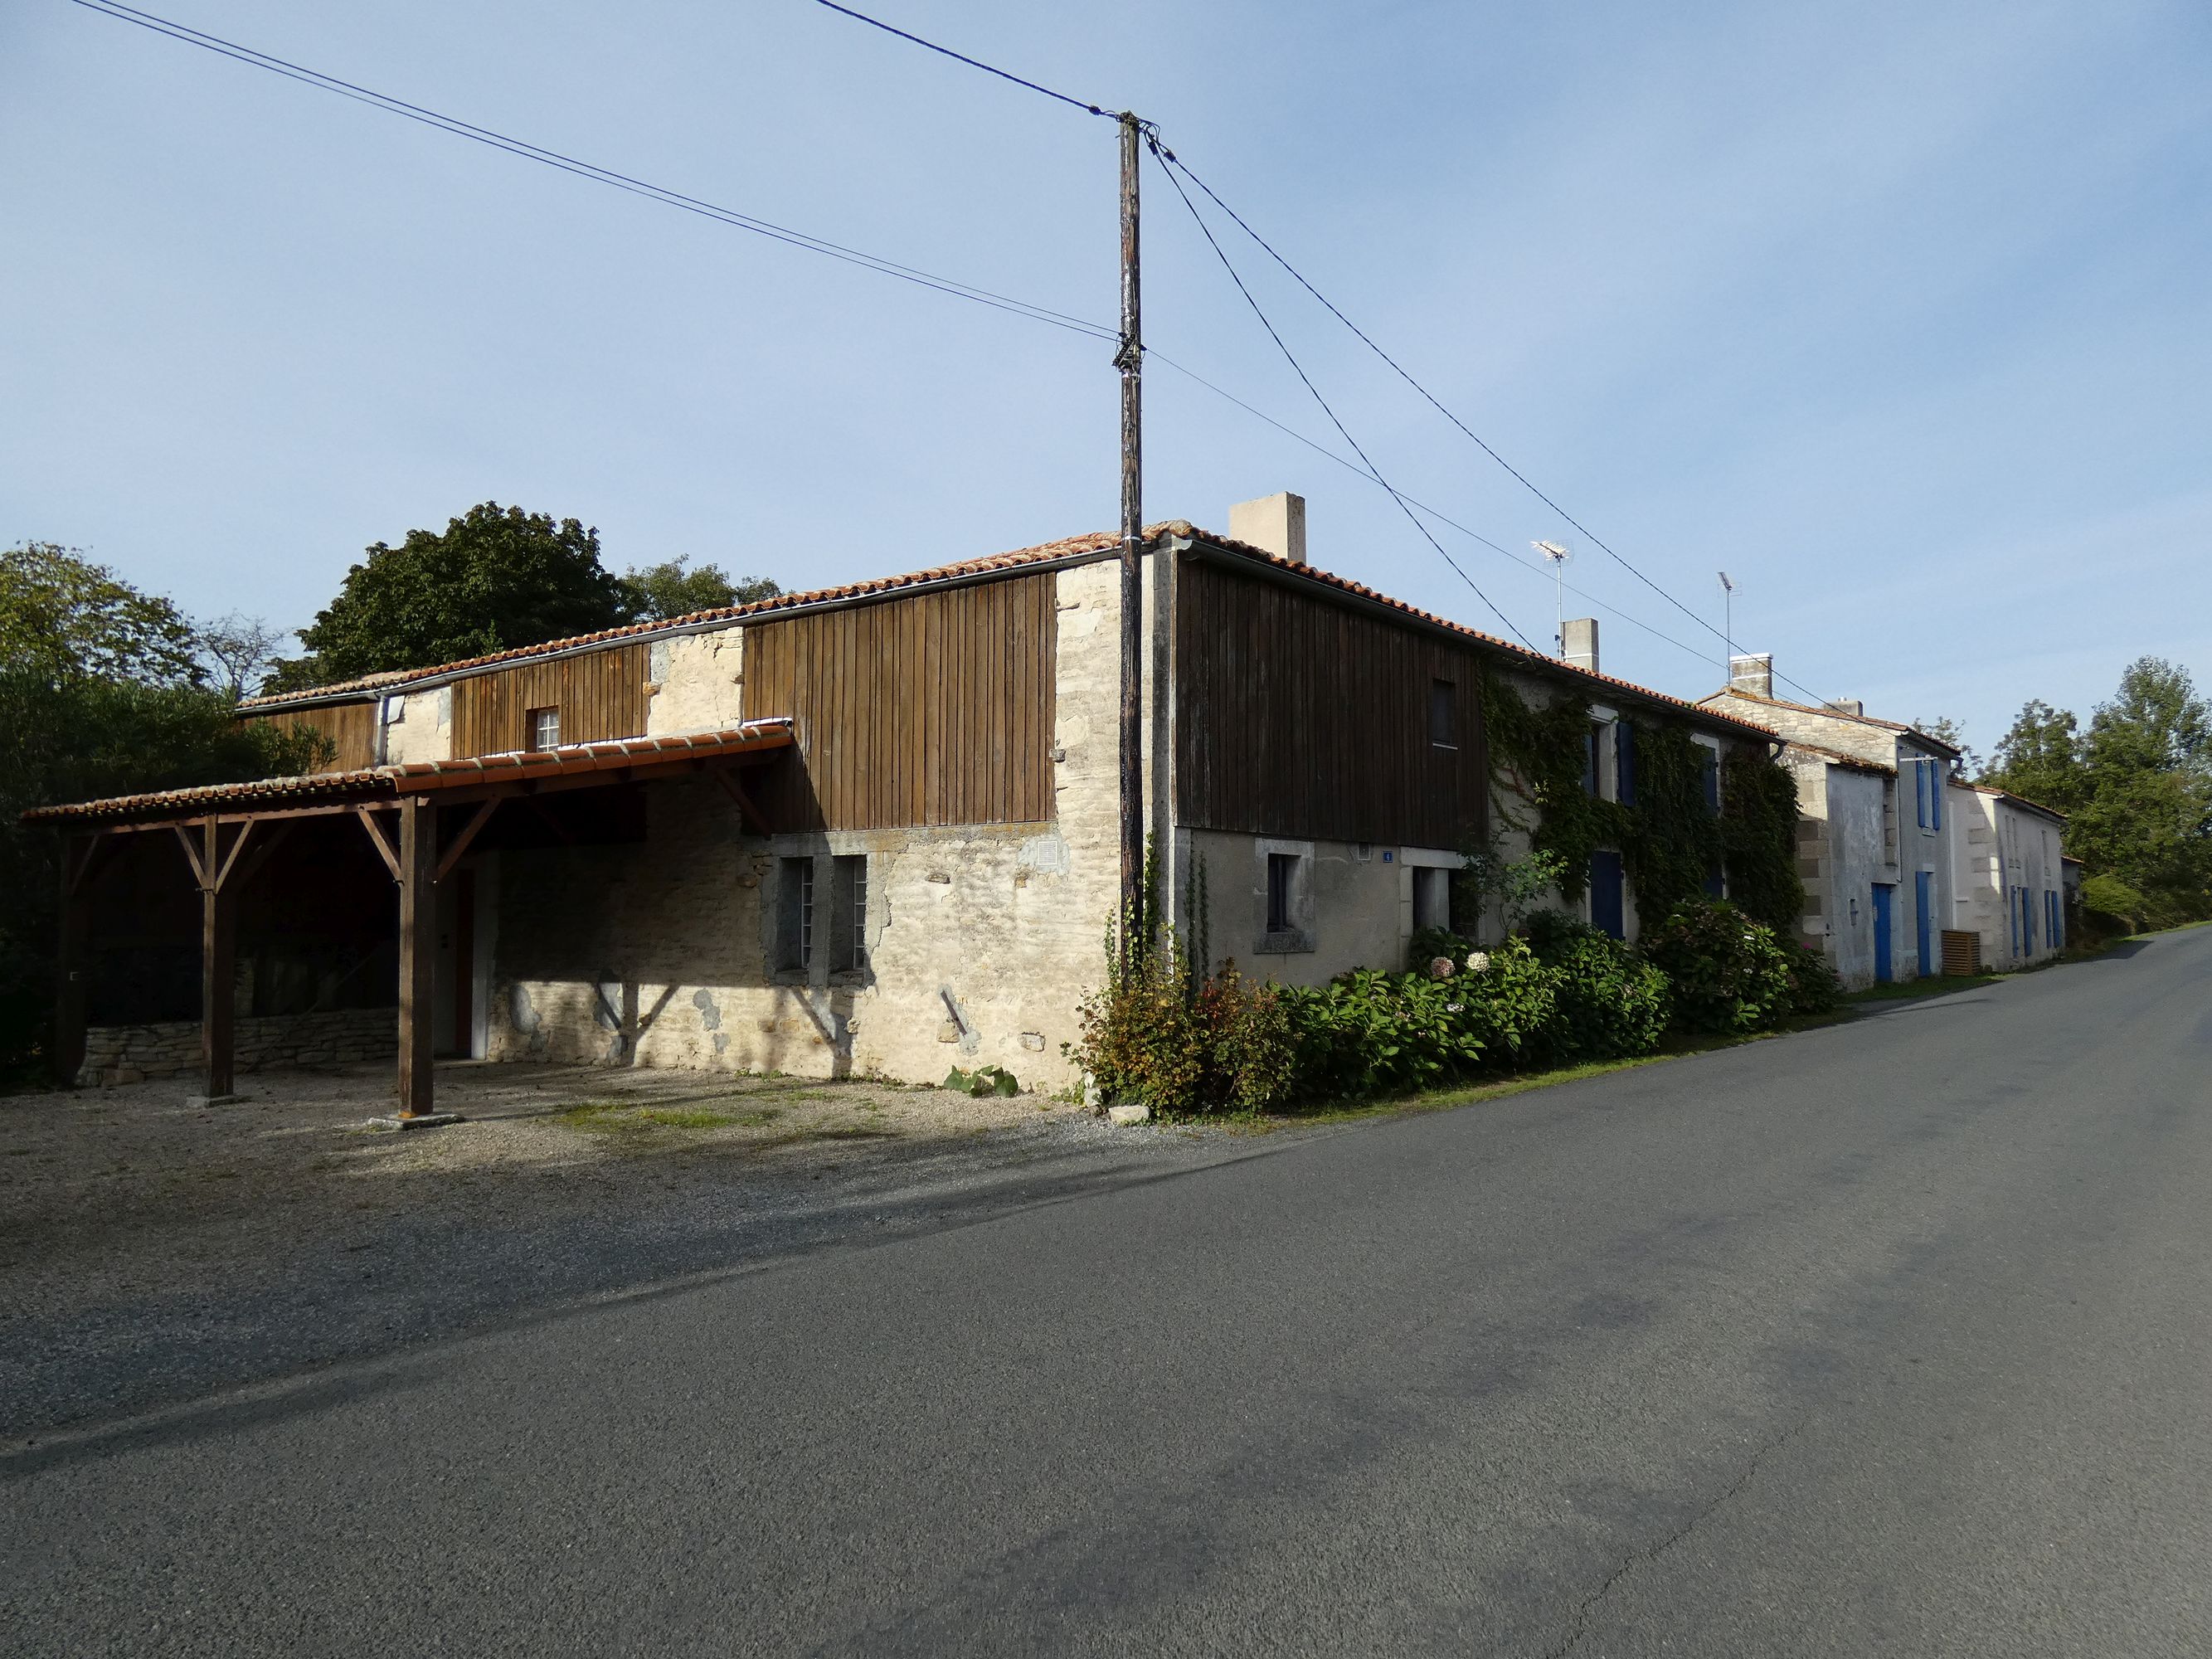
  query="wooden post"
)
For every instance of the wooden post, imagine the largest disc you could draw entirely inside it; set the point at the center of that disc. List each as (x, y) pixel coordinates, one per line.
(69, 961)
(1130, 359)
(418, 951)
(218, 968)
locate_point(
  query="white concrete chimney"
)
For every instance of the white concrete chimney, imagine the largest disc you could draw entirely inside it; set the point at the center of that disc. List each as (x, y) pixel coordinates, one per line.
(1578, 642)
(1276, 523)
(1848, 705)
(1753, 676)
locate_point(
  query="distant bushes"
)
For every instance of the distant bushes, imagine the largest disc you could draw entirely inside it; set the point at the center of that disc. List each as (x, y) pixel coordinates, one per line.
(1187, 1044)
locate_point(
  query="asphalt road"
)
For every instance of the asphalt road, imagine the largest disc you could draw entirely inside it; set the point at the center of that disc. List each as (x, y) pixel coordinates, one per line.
(1891, 1337)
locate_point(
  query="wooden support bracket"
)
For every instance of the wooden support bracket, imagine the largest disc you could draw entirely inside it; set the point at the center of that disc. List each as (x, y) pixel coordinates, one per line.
(551, 823)
(736, 792)
(384, 850)
(237, 846)
(192, 852)
(453, 854)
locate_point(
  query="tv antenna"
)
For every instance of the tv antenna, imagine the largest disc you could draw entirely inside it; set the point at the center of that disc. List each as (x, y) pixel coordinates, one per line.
(1728, 617)
(1559, 555)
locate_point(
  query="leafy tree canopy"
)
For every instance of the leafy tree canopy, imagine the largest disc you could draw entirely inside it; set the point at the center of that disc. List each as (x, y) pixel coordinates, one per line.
(670, 589)
(69, 617)
(1946, 730)
(494, 579)
(2137, 786)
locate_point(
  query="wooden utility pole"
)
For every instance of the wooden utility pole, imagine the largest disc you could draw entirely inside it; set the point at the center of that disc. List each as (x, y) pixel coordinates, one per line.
(418, 949)
(218, 966)
(1131, 361)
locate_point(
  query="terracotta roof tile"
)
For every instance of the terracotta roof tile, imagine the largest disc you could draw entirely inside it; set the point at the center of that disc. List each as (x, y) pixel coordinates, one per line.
(1837, 758)
(1096, 542)
(377, 782)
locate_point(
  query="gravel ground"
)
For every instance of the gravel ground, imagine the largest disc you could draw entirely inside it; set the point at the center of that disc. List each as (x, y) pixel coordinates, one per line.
(150, 1252)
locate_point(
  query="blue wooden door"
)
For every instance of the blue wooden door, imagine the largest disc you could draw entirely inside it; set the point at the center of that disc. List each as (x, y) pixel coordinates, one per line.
(1882, 890)
(1924, 923)
(1607, 911)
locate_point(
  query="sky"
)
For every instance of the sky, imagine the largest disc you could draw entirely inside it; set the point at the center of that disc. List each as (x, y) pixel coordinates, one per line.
(1898, 313)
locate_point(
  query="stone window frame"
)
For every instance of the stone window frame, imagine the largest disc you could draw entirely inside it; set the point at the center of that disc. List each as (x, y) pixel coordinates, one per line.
(1298, 938)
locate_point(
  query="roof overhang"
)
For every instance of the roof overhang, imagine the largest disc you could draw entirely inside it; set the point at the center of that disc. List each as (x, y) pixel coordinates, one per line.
(484, 777)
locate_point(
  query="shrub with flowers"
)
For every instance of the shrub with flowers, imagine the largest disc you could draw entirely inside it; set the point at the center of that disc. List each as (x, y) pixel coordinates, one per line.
(1729, 974)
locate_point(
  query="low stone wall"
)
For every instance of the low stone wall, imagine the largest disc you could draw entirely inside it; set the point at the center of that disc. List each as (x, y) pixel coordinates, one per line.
(345, 1037)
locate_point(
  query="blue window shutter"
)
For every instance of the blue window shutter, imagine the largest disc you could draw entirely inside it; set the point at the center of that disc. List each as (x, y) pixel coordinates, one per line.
(1712, 783)
(1624, 750)
(1935, 792)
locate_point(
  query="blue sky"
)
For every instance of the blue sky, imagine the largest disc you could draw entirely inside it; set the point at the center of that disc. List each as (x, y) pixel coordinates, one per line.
(1898, 314)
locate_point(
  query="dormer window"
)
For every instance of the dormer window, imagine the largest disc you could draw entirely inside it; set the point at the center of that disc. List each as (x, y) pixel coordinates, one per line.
(542, 729)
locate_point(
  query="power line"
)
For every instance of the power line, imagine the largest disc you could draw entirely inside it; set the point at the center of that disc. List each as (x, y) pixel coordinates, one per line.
(1171, 159)
(963, 58)
(1172, 162)
(1288, 356)
(593, 171)
(1418, 506)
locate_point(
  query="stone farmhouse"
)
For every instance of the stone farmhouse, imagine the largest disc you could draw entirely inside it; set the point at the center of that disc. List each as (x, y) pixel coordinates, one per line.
(1971, 880)
(867, 829)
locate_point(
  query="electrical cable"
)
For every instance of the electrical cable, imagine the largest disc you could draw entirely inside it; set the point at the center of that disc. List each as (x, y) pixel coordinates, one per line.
(593, 171)
(1170, 159)
(963, 58)
(1291, 358)
(1444, 519)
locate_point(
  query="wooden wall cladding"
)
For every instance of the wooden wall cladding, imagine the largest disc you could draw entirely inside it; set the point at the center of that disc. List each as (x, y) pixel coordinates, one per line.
(932, 709)
(1300, 716)
(350, 725)
(600, 694)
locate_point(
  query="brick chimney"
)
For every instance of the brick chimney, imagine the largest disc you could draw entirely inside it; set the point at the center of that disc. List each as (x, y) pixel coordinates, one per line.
(1578, 642)
(1275, 523)
(1752, 675)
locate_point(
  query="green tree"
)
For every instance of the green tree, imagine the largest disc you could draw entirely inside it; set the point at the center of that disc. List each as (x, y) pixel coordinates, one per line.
(2136, 787)
(2147, 817)
(2041, 757)
(662, 591)
(494, 579)
(102, 693)
(1969, 765)
(66, 616)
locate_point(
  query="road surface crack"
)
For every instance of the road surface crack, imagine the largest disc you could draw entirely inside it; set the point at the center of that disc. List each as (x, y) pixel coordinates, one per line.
(1645, 1557)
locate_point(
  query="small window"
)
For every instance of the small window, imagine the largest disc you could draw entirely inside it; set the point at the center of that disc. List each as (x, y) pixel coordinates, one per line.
(1590, 741)
(795, 917)
(851, 954)
(1623, 763)
(542, 727)
(1282, 867)
(1433, 898)
(1712, 782)
(1443, 713)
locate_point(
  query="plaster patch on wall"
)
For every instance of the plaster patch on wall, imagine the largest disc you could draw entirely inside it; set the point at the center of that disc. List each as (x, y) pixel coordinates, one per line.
(1049, 853)
(710, 1017)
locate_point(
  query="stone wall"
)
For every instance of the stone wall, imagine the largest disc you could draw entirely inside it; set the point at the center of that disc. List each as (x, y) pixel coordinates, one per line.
(346, 1037)
(981, 939)
(418, 725)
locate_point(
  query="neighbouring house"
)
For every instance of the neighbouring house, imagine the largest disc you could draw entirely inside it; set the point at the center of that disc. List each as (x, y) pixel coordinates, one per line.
(866, 829)
(1875, 844)
(2013, 893)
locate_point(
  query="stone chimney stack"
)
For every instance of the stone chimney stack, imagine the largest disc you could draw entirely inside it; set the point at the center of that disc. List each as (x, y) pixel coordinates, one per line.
(1753, 676)
(1275, 523)
(1578, 642)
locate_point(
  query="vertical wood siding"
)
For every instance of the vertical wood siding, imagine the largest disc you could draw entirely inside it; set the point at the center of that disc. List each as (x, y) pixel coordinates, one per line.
(933, 709)
(350, 725)
(600, 694)
(1299, 717)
